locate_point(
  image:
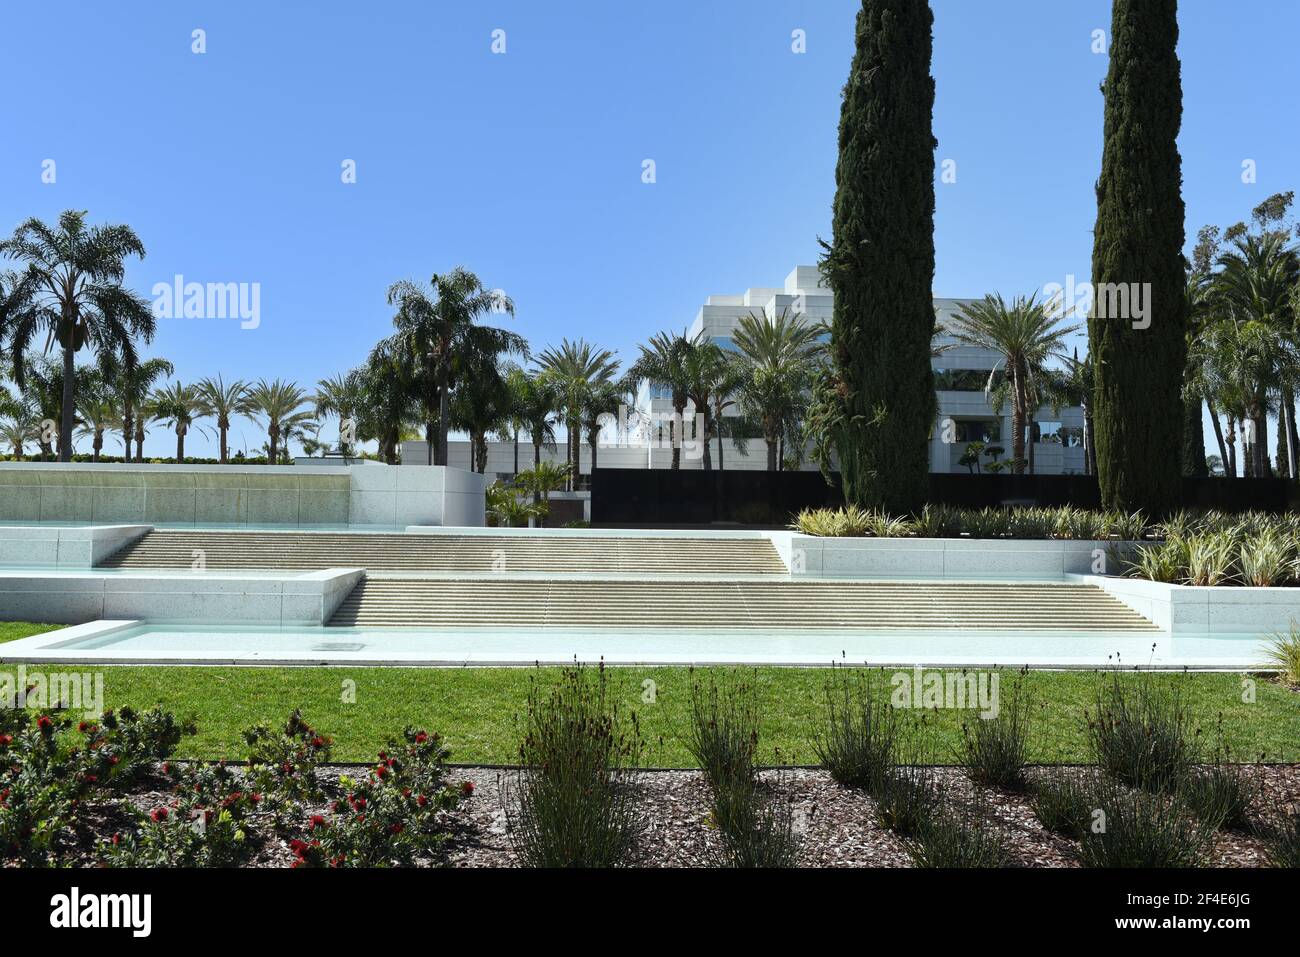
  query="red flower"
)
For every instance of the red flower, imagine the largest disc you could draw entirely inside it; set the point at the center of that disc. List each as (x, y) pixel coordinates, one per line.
(91, 778)
(254, 799)
(421, 737)
(158, 814)
(467, 788)
(167, 767)
(115, 759)
(317, 821)
(318, 742)
(116, 839)
(398, 828)
(381, 771)
(83, 727)
(6, 740)
(422, 800)
(44, 723)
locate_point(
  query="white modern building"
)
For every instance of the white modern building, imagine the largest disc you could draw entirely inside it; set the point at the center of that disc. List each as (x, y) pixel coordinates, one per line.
(961, 371)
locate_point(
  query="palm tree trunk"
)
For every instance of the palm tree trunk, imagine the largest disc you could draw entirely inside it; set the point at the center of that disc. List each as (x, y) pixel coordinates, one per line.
(1259, 445)
(1017, 432)
(720, 422)
(128, 422)
(97, 445)
(677, 423)
(537, 463)
(1218, 435)
(139, 442)
(516, 450)
(224, 427)
(1283, 449)
(708, 457)
(1231, 467)
(68, 408)
(771, 453)
(273, 445)
(180, 446)
(595, 441)
(444, 417)
(1089, 443)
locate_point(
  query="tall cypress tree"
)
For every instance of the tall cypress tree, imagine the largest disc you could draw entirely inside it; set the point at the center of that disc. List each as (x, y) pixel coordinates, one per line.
(1138, 241)
(880, 262)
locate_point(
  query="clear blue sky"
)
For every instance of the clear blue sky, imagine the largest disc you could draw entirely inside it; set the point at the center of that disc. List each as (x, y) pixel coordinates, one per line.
(526, 167)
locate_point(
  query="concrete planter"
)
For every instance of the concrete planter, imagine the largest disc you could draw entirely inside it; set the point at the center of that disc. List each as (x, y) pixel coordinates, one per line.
(958, 558)
(1199, 610)
(204, 597)
(61, 547)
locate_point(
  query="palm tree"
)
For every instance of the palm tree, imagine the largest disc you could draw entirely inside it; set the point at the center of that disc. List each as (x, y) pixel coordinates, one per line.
(281, 403)
(543, 479)
(177, 406)
(730, 378)
(1026, 335)
(664, 364)
(131, 388)
(573, 370)
(713, 375)
(780, 357)
(1253, 289)
(603, 399)
(480, 404)
(96, 411)
(437, 326)
(221, 400)
(19, 422)
(339, 395)
(387, 396)
(74, 278)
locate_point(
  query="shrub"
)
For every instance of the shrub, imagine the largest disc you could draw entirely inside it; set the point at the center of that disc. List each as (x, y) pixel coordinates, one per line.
(1223, 793)
(1284, 655)
(389, 817)
(1063, 802)
(1211, 558)
(1031, 523)
(282, 765)
(907, 798)
(1141, 733)
(881, 525)
(857, 740)
(125, 744)
(952, 837)
(986, 523)
(995, 750)
(1127, 527)
(1080, 524)
(206, 824)
(1267, 559)
(723, 731)
(1135, 828)
(755, 826)
(573, 803)
(938, 521)
(1164, 562)
(1282, 838)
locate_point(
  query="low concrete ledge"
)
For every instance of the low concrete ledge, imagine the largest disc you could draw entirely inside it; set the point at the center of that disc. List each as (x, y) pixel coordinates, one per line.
(1200, 610)
(198, 597)
(65, 547)
(959, 558)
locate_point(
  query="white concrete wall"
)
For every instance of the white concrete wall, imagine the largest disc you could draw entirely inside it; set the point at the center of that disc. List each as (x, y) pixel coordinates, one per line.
(65, 547)
(226, 598)
(1198, 610)
(959, 558)
(416, 495)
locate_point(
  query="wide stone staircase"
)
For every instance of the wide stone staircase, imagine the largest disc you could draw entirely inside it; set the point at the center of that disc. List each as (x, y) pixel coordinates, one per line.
(681, 583)
(448, 553)
(777, 605)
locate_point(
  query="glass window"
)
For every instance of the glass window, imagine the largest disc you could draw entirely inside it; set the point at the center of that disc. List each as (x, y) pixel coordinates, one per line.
(963, 380)
(979, 430)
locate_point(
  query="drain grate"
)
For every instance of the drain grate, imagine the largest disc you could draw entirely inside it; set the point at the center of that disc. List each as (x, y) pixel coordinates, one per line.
(339, 646)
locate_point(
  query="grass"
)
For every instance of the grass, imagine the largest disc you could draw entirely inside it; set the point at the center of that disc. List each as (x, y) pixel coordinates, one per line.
(480, 711)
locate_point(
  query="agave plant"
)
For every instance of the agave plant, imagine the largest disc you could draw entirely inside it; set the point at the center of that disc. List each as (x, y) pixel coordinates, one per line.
(1211, 558)
(882, 525)
(1162, 562)
(1268, 559)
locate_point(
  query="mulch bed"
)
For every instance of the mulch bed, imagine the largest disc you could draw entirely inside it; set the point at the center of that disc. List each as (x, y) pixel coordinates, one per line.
(837, 825)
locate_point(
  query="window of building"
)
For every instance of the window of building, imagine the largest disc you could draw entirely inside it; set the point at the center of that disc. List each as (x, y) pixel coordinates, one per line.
(963, 380)
(979, 430)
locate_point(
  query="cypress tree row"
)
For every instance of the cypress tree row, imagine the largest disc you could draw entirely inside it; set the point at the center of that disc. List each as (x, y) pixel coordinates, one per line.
(878, 403)
(1137, 256)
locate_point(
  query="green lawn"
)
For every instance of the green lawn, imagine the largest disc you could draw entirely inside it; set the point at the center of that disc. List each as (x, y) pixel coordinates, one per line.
(477, 709)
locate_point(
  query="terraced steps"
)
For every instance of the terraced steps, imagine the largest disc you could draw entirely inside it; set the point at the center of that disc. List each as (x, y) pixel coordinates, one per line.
(774, 604)
(312, 551)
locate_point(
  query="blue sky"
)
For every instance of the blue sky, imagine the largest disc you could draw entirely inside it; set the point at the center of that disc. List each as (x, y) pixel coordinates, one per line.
(526, 166)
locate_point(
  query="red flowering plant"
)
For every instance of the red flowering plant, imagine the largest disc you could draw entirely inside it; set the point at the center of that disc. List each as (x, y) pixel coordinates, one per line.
(206, 823)
(124, 745)
(282, 765)
(391, 816)
(43, 776)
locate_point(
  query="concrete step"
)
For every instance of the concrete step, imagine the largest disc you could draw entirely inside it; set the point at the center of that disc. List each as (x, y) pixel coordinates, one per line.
(775, 604)
(310, 551)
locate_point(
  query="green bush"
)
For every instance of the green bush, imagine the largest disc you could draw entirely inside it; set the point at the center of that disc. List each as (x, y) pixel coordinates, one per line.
(995, 750)
(573, 804)
(1140, 731)
(856, 741)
